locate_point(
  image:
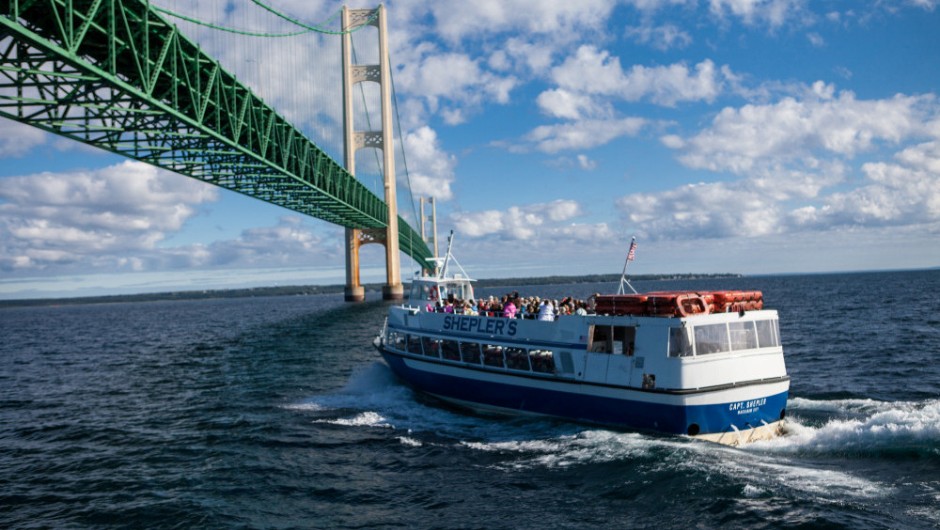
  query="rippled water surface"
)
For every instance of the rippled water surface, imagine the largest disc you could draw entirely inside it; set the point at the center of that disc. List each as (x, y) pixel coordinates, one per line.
(277, 413)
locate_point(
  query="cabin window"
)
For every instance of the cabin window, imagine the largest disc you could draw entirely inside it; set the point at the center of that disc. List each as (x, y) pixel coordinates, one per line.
(450, 350)
(493, 355)
(542, 361)
(421, 291)
(414, 344)
(454, 291)
(712, 338)
(432, 346)
(613, 339)
(396, 340)
(767, 333)
(624, 339)
(680, 342)
(517, 359)
(470, 352)
(743, 335)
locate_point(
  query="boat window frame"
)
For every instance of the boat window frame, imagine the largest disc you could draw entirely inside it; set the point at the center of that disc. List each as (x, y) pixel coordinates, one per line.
(772, 326)
(748, 345)
(396, 340)
(450, 350)
(490, 351)
(435, 348)
(706, 329)
(537, 361)
(514, 352)
(410, 339)
(466, 351)
(689, 344)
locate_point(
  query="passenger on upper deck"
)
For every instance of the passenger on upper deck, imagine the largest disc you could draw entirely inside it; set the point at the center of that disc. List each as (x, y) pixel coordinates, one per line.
(547, 311)
(509, 309)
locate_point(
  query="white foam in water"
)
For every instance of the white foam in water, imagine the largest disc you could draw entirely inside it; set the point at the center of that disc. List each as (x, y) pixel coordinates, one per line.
(374, 389)
(410, 442)
(866, 425)
(309, 407)
(771, 473)
(364, 419)
(368, 388)
(590, 446)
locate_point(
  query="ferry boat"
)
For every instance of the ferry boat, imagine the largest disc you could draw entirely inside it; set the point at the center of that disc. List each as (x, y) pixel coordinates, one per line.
(703, 364)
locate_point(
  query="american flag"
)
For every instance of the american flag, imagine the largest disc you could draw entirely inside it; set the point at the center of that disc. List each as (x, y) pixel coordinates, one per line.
(631, 254)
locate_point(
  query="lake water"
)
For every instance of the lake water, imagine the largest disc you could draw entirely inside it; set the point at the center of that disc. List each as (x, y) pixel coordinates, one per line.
(278, 413)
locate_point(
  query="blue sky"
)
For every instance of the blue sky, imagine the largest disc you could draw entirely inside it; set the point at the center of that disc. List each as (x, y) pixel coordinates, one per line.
(747, 136)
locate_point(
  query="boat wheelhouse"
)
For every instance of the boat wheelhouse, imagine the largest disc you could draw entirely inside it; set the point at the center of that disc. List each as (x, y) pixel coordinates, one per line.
(704, 364)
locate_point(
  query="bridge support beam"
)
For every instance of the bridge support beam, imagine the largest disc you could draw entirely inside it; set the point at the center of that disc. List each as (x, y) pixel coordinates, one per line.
(355, 140)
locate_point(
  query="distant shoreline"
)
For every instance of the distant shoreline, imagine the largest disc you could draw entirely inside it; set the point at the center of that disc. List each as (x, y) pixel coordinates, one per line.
(301, 290)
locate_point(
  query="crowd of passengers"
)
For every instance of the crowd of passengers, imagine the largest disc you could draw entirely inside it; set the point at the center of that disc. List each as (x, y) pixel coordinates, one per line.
(514, 306)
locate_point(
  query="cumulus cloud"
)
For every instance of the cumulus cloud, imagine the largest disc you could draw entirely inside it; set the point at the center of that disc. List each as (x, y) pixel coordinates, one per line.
(457, 21)
(586, 163)
(431, 169)
(288, 243)
(59, 218)
(701, 210)
(17, 139)
(561, 103)
(94, 216)
(796, 161)
(594, 71)
(442, 78)
(742, 139)
(771, 12)
(664, 37)
(906, 192)
(544, 221)
(119, 219)
(583, 134)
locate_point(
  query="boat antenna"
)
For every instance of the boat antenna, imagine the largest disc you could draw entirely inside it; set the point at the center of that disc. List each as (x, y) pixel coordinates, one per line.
(631, 255)
(450, 243)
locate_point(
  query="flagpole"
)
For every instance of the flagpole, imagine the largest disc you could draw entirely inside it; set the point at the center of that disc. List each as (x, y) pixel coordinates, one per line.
(631, 253)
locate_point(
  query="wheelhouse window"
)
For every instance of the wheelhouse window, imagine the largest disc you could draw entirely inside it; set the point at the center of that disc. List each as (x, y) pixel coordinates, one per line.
(711, 338)
(743, 335)
(680, 342)
(459, 290)
(720, 338)
(768, 334)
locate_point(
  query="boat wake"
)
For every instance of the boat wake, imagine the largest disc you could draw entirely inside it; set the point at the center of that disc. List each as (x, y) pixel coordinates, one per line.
(854, 428)
(374, 398)
(862, 431)
(860, 427)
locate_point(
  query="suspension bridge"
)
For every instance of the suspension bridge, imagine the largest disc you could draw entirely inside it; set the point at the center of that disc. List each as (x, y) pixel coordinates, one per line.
(116, 75)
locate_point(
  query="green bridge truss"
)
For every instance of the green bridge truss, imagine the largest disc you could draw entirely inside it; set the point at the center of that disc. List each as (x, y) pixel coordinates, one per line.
(114, 74)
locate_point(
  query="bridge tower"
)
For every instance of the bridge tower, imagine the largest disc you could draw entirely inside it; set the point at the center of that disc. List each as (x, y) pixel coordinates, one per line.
(355, 140)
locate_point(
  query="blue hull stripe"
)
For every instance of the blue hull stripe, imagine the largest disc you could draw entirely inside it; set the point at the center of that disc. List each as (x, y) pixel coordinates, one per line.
(632, 414)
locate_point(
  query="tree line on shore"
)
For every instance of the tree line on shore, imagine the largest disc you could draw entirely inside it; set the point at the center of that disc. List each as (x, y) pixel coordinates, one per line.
(305, 290)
